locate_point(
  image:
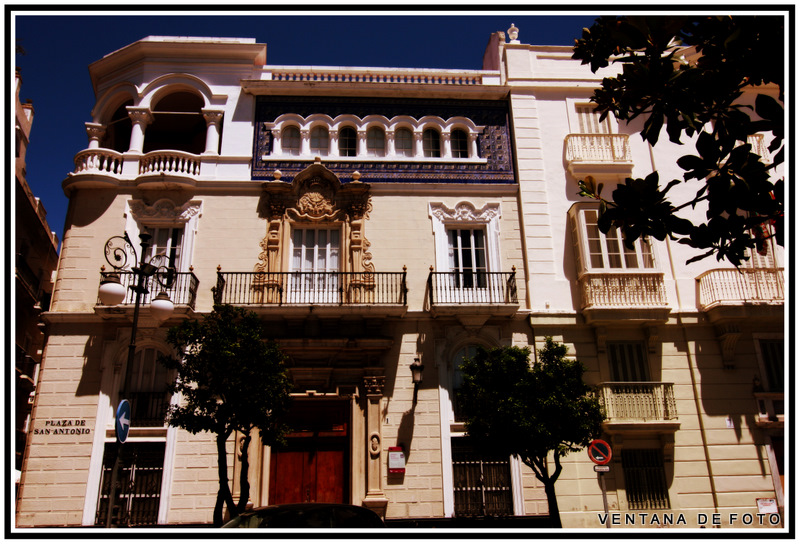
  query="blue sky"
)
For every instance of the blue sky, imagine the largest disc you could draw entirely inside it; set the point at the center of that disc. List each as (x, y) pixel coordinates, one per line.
(59, 47)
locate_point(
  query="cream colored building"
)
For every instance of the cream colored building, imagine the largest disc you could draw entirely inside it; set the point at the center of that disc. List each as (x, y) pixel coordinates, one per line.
(374, 217)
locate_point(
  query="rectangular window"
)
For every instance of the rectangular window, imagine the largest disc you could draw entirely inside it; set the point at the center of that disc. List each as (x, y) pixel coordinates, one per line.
(481, 484)
(627, 362)
(645, 479)
(138, 484)
(167, 241)
(608, 251)
(467, 254)
(146, 389)
(315, 266)
(772, 355)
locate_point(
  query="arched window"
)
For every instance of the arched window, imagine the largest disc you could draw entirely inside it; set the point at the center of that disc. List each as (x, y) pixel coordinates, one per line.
(431, 143)
(320, 141)
(177, 124)
(404, 142)
(376, 142)
(146, 389)
(290, 140)
(347, 142)
(458, 144)
(118, 130)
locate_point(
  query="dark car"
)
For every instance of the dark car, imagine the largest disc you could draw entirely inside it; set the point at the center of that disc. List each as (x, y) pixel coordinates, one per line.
(307, 515)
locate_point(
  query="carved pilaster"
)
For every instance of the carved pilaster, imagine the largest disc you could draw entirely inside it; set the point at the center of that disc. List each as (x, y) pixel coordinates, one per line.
(375, 497)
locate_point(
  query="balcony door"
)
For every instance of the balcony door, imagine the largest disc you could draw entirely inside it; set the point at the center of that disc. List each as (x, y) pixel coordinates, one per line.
(315, 276)
(469, 280)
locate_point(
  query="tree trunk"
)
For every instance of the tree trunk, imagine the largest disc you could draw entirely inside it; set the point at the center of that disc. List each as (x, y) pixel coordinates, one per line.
(552, 503)
(244, 484)
(224, 494)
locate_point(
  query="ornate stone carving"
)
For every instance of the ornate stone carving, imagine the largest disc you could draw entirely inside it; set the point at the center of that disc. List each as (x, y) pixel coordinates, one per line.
(374, 384)
(465, 211)
(164, 211)
(317, 201)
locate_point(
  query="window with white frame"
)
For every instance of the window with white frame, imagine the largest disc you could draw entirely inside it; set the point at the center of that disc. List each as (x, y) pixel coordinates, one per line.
(315, 265)
(376, 142)
(166, 241)
(598, 251)
(431, 143)
(320, 141)
(290, 140)
(459, 144)
(404, 142)
(347, 142)
(467, 254)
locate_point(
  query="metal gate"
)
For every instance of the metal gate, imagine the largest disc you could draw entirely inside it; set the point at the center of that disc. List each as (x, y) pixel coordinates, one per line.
(138, 489)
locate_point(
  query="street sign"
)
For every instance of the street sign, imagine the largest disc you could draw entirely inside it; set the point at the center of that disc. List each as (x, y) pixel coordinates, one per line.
(602, 468)
(599, 452)
(122, 423)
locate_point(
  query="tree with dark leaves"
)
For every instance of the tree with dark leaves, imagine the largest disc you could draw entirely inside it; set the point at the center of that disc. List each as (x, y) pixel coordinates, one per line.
(533, 411)
(230, 379)
(691, 76)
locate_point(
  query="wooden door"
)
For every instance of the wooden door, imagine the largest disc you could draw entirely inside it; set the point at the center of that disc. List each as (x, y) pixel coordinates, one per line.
(314, 465)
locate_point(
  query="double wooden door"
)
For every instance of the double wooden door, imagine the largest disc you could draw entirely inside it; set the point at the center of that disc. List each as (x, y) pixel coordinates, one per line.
(314, 464)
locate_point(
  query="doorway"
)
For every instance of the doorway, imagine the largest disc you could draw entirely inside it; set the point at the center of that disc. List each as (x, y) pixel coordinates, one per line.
(314, 464)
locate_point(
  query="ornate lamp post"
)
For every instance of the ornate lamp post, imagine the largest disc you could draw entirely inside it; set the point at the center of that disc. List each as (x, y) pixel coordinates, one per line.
(119, 252)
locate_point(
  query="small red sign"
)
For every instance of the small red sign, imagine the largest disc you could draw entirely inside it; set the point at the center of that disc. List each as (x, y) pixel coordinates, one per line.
(599, 452)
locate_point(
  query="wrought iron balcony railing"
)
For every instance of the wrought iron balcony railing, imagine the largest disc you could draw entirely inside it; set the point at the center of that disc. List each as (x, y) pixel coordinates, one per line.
(183, 291)
(732, 286)
(317, 288)
(472, 288)
(637, 401)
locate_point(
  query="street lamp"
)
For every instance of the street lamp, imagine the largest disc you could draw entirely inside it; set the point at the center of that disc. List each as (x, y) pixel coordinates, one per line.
(119, 252)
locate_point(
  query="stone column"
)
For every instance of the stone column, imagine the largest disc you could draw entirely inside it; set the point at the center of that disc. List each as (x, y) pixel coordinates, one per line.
(141, 117)
(418, 144)
(276, 142)
(361, 145)
(95, 131)
(473, 145)
(447, 151)
(375, 498)
(305, 142)
(213, 120)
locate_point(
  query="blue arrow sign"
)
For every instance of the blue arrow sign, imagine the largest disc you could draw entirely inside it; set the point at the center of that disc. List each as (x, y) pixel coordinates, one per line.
(122, 423)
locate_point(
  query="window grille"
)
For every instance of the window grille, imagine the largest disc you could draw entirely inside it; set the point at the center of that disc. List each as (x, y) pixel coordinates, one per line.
(645, 479)
(481, 484)
(138, 484)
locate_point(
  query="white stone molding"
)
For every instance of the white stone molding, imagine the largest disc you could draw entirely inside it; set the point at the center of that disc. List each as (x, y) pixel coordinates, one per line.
(466, 214)
(165, 212)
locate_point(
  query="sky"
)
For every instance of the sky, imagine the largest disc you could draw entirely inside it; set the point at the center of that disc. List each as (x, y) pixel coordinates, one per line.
(59, 46)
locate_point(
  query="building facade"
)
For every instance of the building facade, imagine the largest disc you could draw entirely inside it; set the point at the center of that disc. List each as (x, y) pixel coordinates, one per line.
(35, 260)
(377, 219)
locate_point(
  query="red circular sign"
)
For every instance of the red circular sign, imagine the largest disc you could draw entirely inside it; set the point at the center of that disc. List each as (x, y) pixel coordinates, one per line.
(599, 452)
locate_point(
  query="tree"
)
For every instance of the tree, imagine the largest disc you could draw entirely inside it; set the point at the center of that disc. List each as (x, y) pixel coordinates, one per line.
(687, 75)
(514, 408)
(230, 379)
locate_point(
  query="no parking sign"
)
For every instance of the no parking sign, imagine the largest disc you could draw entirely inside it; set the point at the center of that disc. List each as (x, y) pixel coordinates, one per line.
(599, 452)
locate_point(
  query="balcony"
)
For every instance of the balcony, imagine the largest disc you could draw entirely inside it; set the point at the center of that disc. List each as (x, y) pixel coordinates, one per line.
(612, 296)
(598, 154)
(370, 292)
(746, 292)
(182, 292)
(100, 167)
(473, 295)
(638, 406)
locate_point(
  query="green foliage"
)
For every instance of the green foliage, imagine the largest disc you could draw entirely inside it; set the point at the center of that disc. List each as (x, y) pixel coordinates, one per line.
(695, 96)
(529, 410)
(230, 379)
